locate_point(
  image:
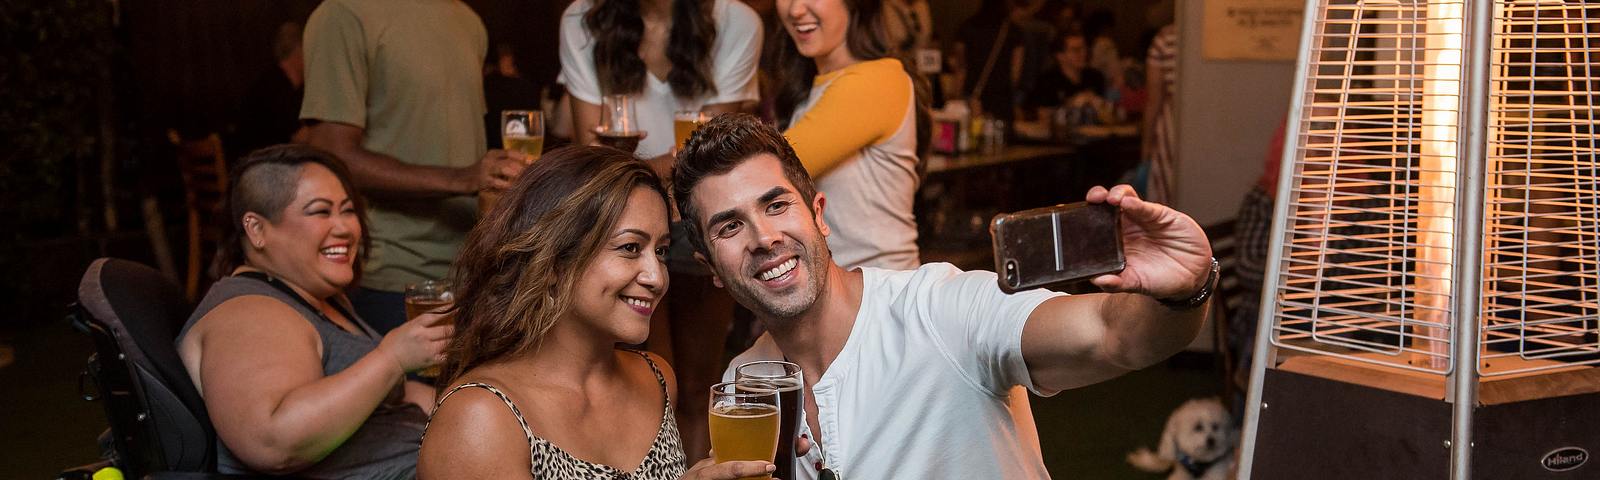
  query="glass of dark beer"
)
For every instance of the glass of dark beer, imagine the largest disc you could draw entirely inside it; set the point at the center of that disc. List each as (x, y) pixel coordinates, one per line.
(786, 379)
(619, 124)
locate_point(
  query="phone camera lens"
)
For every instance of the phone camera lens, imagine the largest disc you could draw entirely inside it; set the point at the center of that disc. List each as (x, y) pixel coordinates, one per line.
(1011, 272)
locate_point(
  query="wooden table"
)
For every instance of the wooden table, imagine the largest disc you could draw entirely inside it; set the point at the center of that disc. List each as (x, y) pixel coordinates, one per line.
(940, 163)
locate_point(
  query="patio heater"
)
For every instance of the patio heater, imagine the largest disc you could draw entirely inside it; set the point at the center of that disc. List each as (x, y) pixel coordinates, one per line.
(1433, 295)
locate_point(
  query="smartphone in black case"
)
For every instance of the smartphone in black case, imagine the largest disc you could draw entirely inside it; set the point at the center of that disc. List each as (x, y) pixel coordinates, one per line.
(1058, 245)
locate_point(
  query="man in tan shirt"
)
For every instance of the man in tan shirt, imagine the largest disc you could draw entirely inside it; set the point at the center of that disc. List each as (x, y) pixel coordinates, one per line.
(394, 88)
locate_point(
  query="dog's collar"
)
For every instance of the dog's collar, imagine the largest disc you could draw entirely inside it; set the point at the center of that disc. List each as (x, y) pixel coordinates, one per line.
(1197, 469)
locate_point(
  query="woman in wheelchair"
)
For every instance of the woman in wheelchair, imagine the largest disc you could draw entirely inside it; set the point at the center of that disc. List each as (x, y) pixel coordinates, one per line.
(293, 381)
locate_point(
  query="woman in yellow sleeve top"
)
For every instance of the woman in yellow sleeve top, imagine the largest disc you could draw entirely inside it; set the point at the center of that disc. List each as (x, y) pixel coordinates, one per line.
(856, 118)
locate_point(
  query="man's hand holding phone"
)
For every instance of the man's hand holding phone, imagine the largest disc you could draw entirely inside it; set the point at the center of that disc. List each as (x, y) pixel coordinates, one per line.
(1167, 254)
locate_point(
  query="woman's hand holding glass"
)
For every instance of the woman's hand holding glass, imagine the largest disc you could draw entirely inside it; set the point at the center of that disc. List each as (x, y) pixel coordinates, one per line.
(708, 469)
(420, 342)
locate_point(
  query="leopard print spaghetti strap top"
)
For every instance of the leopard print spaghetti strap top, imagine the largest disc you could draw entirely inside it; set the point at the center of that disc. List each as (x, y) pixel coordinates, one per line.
(665, 461)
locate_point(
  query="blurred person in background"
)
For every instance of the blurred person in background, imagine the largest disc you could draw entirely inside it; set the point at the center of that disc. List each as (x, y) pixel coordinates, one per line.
(394, 88)
(669, 56)
(271, 111)
(1153, 177)
(1064, 15)
(1038, 45)
(293, 380)
(1253, 237)
(1161, 79)
(992, 43)
(562, 270)
(1103, 54)
(1067, 81)
(910, 25)
(504, 88)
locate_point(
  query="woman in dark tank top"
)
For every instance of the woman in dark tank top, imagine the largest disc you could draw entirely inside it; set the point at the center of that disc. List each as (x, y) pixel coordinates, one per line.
(293, 381)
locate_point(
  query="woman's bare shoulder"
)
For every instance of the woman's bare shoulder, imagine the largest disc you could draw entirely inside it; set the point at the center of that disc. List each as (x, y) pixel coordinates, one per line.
(474, 434)
(257, 317)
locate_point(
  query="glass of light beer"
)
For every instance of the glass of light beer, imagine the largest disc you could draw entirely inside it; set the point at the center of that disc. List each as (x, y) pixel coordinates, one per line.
(744, 423)
(520, 130)
(619, 124)
(426, 297)
(785, 378)
(684, 122)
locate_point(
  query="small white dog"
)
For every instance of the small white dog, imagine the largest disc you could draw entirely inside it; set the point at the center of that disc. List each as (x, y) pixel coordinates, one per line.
(1197, 445)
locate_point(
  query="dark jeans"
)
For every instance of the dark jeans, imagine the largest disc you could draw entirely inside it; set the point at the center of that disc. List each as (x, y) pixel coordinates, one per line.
(382, 310)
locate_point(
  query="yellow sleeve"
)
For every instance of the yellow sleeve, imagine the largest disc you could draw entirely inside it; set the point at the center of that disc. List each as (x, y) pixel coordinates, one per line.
(862, 107)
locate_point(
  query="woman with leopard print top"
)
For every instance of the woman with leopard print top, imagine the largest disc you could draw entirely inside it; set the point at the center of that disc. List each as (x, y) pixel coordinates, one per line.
(568, 265)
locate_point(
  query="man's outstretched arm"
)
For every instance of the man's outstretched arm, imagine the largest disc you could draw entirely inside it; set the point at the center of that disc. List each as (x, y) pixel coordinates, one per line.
(1070, 342)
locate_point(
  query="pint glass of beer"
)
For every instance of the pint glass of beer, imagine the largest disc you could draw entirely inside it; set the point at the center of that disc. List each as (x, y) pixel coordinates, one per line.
(520, 130)
(744, 423)
(785, 378)
(426, 297)
(684, 123)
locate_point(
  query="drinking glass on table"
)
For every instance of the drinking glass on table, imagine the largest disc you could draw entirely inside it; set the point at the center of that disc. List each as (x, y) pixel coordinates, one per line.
(619, 124)
(743, 423)
(428, 296)
(684, 122)
(786, 379)
(520, 130)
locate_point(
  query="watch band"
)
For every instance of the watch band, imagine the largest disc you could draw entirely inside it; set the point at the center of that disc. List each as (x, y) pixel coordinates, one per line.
(1199, 297)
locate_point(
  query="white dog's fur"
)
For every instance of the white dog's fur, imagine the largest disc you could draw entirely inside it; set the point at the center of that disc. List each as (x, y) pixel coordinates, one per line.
(1202, 430)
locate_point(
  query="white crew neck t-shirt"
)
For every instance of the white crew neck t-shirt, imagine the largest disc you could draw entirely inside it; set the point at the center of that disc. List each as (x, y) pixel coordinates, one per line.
(734, 58)
(920, 389)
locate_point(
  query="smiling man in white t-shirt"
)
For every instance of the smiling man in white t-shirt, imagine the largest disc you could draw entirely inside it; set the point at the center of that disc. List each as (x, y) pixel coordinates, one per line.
(907, 372)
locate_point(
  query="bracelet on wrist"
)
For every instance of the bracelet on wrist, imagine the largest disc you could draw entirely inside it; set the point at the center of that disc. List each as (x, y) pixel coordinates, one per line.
(1199, 298)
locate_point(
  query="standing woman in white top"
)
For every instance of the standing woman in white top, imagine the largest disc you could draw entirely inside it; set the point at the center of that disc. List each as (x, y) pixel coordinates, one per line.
(670, 55)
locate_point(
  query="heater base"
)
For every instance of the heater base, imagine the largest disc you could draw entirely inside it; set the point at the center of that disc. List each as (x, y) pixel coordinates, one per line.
(1313, 428)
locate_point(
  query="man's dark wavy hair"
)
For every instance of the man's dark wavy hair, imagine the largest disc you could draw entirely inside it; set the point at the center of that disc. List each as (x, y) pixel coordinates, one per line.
(718, 147)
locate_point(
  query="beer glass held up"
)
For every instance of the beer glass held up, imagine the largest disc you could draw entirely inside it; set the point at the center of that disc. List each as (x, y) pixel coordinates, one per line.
(520, 130)
(429, 296)
(743, 423)
(786, 379)
(684, 122)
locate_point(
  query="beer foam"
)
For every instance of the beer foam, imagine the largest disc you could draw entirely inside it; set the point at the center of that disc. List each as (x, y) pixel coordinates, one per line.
(744, 410)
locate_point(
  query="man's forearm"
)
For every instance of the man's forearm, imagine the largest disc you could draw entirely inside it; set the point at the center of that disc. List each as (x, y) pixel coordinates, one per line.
(1145, 332)
(382, 175)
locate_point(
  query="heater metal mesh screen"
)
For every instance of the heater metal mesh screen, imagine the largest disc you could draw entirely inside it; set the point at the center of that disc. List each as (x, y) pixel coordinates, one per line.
(1367, 247)
(1542, 212)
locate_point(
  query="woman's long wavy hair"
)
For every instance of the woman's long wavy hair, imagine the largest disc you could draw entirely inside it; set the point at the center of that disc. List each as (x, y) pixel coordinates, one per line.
(618, 28)
(515, 274)
(264, 182)
(867, 40)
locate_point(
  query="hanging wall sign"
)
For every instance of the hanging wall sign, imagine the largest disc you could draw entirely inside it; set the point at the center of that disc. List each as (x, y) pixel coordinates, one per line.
(1251, 29)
